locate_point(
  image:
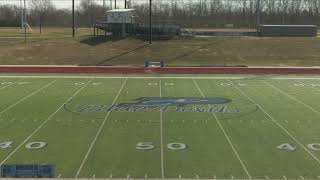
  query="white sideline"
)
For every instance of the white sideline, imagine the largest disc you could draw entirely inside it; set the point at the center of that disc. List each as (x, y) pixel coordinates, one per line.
(279, 125)
(26, 97)
(161, 136)
(36, 130)
(98, 132)
(11, 84)
(158, 77)
(225, 134)
(127, 179)
(291, 97)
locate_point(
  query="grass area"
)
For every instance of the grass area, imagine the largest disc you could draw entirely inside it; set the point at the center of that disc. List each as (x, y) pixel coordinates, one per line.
(235, 139)
(46, 32)
(213, 51)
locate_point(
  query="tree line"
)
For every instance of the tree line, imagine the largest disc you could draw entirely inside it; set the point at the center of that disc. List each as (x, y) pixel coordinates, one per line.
(186, 13)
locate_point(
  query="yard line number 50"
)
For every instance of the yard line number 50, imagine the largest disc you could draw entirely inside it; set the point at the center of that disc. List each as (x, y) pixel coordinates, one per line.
(150, 146)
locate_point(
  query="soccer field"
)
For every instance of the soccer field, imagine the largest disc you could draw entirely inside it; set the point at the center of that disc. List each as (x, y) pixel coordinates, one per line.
(197, 127)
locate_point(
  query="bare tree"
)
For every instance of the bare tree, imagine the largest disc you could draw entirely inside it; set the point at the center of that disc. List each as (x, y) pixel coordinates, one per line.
(41, 7)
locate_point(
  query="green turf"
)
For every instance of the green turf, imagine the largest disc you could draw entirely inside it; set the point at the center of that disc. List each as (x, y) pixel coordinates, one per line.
(273, 110)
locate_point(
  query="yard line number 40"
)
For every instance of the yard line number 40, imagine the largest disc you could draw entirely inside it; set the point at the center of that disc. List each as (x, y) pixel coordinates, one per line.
(31, 145)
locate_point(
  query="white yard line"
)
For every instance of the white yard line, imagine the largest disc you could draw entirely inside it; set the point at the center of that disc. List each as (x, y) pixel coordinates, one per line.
(157, 77)
(291, 97)
(161, 135)
(11, 84)
(26, 97)
(278, 124)
(39, 127)
(225, 134)
(98, 132)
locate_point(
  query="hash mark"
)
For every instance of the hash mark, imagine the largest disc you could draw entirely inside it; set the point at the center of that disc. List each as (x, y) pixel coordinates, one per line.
(266, 177)
(95, 84)
(59, 176)
(284, 177)
(21, 83)
(301, 177)
(4, 83)
(152, 84)
(79, 83)
(168, 84)
(94, 176)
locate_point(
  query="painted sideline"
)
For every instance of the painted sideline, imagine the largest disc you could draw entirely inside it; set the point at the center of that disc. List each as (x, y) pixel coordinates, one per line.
(157, 70)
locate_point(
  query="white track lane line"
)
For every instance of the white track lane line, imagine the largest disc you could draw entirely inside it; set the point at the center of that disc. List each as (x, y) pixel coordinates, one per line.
(155, 77)
(36, 130)
(98, 133)
(225, 134)
(161, 135)
(11, 84)
(26, 97)
(279, 125)
(291, 97)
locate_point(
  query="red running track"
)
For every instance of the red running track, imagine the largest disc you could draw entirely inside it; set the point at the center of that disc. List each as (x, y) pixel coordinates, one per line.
(165, 70)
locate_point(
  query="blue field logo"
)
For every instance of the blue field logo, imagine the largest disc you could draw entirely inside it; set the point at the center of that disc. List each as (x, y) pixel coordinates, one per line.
(165, 104)
(181, 101)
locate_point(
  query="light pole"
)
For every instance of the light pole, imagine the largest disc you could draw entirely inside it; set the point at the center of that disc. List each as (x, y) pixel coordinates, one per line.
(150, 21)
(258, 13)
(73, 31)
(25, 20)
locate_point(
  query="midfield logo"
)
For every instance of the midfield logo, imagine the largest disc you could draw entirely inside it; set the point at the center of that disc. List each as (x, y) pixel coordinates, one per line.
(182, 101)
(165, 104)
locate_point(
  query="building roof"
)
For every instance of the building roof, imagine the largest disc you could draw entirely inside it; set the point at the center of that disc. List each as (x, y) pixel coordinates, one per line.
(120, 10)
